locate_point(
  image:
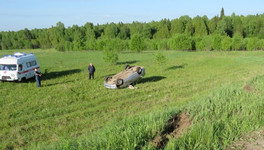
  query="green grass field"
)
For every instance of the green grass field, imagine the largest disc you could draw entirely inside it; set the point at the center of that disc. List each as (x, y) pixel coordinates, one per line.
(72, 112)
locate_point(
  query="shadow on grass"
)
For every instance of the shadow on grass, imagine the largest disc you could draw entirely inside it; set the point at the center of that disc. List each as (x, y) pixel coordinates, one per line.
(56, 74)
(151, 79)
(30, 80)
(126, 62)
(110, 75)
(46, 85)
(176, 67)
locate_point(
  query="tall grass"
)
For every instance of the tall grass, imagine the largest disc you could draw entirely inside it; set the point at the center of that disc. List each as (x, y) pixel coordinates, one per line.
(217, 120)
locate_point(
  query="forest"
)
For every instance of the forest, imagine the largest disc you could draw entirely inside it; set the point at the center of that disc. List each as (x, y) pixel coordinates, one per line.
(235, 32)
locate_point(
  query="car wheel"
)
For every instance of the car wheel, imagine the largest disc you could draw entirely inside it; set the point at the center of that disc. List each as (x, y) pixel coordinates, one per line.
(107, 78)
(119, 82)
(127, 66)
(139, 70)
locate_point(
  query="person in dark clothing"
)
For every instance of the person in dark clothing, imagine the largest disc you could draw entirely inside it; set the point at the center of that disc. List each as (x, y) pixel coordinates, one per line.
(91, 70)
(38, 77)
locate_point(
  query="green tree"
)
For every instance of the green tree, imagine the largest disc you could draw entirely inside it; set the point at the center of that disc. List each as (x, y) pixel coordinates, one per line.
(110, 56)
(250, 26)
(252, 44)
(224, 27)
(90, 42)
(261, 44)
(181, 42)
(237, 43)
(137, 43)
(110, 31)
(160, 59)
(6, 41)
(135, 28)
(124, 32)
(44, 40)
(204, 43)
(56, 34)
(189, 30)
(163, 30)
(147, 31)
(177, 26)
(217, 42)
(226, 43)
(237, 25)
(222, 14)
(0, 41)
(212, 24)
(101, 44)
(200, 26)
(35, 44)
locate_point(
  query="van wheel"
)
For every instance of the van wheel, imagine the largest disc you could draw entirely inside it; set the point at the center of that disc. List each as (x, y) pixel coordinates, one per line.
(139, 70)
(119, 82)
(23, 80)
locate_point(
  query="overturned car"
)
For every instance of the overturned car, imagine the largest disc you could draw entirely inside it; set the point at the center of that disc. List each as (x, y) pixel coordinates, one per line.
(125, 78)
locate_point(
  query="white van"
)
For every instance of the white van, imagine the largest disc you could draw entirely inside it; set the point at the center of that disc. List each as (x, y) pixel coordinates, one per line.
(18, 67)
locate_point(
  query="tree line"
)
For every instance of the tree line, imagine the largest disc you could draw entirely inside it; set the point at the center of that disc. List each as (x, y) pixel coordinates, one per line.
(184, 33)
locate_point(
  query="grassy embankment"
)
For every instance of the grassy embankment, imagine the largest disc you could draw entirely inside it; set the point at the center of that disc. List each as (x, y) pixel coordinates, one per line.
(75, 112)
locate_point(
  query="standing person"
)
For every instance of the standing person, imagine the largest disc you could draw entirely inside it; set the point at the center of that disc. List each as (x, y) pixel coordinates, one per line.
(38, 77)
(91, 70)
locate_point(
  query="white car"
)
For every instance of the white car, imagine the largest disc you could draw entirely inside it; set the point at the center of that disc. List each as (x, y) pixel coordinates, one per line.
(125, 78)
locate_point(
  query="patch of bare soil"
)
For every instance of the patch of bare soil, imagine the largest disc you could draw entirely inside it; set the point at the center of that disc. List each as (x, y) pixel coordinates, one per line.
(177, 125)
(252, 141)
(249, 88)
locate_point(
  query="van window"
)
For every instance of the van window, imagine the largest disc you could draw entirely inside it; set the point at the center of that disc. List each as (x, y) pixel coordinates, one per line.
(20, 67)
(31, 63)
(28, 64)
(8, 67)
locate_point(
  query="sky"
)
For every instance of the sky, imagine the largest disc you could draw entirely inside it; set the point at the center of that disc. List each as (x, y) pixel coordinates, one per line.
(20, 14)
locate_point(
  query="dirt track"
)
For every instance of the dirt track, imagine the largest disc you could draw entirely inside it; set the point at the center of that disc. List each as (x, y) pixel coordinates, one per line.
(251, 141)
(177, 125)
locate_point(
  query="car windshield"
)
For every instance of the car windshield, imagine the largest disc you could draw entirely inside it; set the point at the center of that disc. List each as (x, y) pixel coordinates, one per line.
(8, 67)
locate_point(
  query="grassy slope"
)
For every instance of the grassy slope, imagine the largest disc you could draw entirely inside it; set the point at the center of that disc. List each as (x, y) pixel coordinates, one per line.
(70, 106)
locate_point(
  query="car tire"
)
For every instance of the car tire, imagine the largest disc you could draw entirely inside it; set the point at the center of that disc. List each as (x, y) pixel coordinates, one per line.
(139, 70)
(107, 78)
(119, 82)
(127, 67)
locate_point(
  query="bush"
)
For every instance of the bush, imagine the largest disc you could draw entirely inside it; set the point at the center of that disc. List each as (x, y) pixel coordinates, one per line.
(261, 44)
(181, 42)
(110, 56)
(161, 44)
(100, 44)
(60, 47)
(217, 42)
(137, 43)
(91, 44)
(152, 44)
(226, 43)
(237, 43)
(252, 44)
(204, 43)
(160, 58)
(68, 46)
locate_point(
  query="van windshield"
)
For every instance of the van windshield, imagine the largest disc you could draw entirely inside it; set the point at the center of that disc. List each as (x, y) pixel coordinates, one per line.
(8, 67)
